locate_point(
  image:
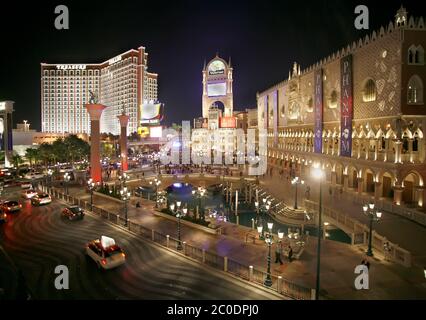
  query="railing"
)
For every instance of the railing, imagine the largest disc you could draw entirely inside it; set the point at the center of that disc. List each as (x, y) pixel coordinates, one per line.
(280, 285)
(359, 234)
(384, 204)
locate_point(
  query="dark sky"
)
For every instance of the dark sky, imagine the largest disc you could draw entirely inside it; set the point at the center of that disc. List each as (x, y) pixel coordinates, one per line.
(262, 37)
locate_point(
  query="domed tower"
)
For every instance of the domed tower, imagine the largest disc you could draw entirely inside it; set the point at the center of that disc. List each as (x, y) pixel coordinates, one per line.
(217, 86)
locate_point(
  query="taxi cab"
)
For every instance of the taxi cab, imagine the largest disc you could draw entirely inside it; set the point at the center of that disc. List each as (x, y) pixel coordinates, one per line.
(106, 253)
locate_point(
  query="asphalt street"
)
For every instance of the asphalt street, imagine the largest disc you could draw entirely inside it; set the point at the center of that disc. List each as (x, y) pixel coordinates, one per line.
(38, 239)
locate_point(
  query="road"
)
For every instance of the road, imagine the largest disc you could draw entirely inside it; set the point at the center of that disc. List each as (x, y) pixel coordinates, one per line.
(38, 239)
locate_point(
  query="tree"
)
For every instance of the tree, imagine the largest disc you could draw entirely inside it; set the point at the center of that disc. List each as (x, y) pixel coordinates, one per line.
(17, 161)
(32, 155)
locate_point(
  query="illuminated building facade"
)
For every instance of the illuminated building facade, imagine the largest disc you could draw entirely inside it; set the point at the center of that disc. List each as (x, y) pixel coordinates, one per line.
(122, 82)
(359, 113)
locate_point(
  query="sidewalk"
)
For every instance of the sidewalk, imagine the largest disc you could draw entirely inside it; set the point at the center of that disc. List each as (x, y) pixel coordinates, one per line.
(338, 260)
(408, 234)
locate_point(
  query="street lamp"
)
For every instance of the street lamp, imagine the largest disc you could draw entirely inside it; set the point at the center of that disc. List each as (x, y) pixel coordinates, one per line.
(49, 175)
(318, 174)
(125, 196)
(67, 178)
(156, 183)
(269, 240)
(296, 181)
(199, 193)
(373, 215)
(123, 178)
(262, 210)
(178, 212)
(91, 186)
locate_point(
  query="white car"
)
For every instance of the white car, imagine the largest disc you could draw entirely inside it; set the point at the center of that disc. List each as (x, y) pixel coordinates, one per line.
(28, 194)
(34, 175)
(105, 253)
(26, 185)
(40, 199)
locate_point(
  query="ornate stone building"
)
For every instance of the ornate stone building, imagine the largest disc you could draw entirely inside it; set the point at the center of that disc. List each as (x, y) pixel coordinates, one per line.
(359, 113)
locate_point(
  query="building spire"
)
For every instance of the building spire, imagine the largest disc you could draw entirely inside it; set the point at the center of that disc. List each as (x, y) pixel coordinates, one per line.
(230, 63)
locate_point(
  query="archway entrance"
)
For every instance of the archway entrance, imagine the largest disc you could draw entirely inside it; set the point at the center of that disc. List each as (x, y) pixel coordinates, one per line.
(387, 187)
(369, 182)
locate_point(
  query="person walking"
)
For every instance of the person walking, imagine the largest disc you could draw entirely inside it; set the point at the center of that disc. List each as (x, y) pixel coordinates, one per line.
(290, 253)
(278, 252)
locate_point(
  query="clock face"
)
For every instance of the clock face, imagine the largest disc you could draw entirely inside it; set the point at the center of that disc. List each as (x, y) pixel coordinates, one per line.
(216, 67)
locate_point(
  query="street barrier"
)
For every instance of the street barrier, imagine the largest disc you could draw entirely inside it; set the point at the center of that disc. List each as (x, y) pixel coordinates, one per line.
(282, 286)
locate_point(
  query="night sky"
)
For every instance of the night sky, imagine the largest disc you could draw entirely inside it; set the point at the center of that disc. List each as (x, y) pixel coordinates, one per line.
(263, 38)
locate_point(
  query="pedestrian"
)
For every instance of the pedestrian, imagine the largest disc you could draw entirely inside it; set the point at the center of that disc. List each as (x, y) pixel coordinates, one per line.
(278, 252)
(290, 253)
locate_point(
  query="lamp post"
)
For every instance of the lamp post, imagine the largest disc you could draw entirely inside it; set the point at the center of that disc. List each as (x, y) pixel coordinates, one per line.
(91, 186)
(123, 178)
(199, 193)
(318, 174)
(296, 181)
(67, 178)
(269, 240)
(125, 196)
(262, 210)
(178, 212)
(156, 184)
(49, 175)
(373, 215)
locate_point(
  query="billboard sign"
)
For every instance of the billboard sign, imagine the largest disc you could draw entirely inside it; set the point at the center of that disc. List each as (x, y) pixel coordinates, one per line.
(318, 115)
(228, 122)
(346, 106)
(151, 113)
(216, 67)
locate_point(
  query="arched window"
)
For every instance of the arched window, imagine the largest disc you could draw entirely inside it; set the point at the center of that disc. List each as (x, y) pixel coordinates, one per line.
(333, 100)
(369, 91)
(416, 55)
(415, 90)
(282, 111)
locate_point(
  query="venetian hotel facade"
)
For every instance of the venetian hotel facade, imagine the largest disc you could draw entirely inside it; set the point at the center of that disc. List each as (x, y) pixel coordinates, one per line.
(360, 114)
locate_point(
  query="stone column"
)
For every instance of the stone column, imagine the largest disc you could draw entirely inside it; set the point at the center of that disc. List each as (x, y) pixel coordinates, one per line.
(345, 182)
(360, 185)
(124, 120)
(377, 190)
(398, 151)
(397, 194)
(95, 112)
(419, 195)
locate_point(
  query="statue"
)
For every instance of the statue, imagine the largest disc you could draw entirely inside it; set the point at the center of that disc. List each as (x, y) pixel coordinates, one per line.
(93, 97)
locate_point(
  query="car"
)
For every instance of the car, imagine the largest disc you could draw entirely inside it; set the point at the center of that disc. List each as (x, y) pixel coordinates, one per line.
(106, 253)
(11, 206)
(34, 175)
(73, 213)
(28, 194)
(26, 185)
(3, 216)
(41, 198)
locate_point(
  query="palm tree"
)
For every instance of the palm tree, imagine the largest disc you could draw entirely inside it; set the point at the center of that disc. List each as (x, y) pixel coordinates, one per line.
(17, 161)
(31, 155)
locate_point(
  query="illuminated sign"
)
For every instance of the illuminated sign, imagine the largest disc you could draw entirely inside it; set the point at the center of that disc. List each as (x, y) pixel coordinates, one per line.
(151, 113)
(318, 111)
(216, 89)
(228, 122)
(143, 132)
(216, 67)
(155, 132)
(114, 60)
(346, 106)
(71, 67)
(2, 105)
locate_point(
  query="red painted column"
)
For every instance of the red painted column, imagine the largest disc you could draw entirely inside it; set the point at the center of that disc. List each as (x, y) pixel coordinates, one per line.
(124, 120)
(95, 112)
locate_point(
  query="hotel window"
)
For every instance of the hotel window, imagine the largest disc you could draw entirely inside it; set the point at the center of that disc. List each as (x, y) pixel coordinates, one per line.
(369, 91)
(415, 90)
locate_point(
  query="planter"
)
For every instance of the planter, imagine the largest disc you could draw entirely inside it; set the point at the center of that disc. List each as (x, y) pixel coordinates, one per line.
(189, 224)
